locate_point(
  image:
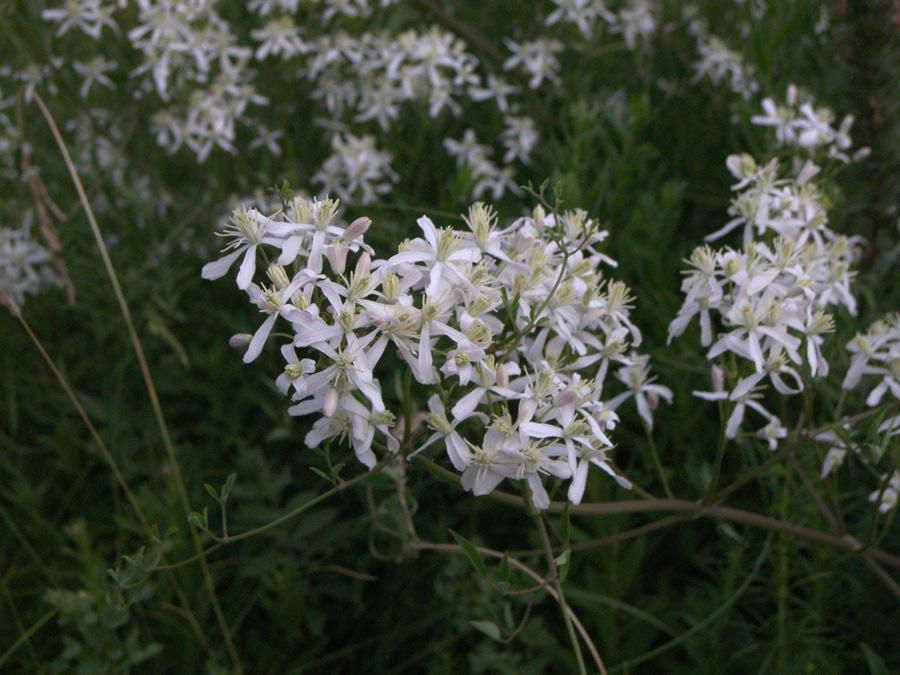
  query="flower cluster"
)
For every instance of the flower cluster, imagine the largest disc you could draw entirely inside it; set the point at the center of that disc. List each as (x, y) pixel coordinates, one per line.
(723, 65)
(774, 296)
(25, 265)
(877, 352)
(808, 127)
(512, 331)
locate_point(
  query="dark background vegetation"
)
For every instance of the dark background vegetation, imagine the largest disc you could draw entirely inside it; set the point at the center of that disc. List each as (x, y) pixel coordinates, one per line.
(332, 591)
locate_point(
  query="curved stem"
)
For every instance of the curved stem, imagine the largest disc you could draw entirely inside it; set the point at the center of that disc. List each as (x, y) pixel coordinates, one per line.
(561, 598)
(455, 548)
(281, 519)
(659, 467)
(685, 507)
(148, 381)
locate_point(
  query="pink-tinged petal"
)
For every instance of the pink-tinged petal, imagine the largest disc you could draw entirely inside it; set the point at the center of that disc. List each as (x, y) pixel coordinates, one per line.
(875, 397)
(746, 385)
(644, 409)
(259, 338)
(540, 430)
(437, 282)
(220, 267)
(467, 404)
(456, 450)
(711, 395)
(539, 497)
(734, 422)
(621, 480)
(482, 480)
(289, 250)
(410, 257)
(576, 488)
(248, 268)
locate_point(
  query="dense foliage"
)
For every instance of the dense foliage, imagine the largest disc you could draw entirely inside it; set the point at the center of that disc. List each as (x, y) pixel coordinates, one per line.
(564, 316)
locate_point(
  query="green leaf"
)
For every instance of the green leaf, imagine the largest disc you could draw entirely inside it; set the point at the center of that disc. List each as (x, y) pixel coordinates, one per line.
(226, 489)
(470, 551)
(562, 563)
(321, 474)
(876, 664)
(489, 628)
(212, 492)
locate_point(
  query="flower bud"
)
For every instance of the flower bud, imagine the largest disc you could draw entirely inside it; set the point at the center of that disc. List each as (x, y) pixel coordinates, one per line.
(718, 379)
(356, 229)
(240, 340)
(502, 376)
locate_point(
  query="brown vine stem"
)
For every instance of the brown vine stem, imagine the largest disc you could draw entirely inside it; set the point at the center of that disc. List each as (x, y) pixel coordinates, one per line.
(685, 507)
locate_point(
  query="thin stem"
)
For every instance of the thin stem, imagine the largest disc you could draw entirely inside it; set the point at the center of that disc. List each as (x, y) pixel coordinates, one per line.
(281, 519)
(659, 467)
(455, 548)
(107, 456)
(685, 507)
(24, 637)
(554, 575)
(720, 455)
(148, 380)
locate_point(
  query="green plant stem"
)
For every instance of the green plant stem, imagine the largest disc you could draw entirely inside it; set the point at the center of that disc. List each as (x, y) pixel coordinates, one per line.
(653, 653)
(554, 575)
(281, 519)
(24, 637)
(720, 455)
(659, 467)
(457, 549)
(838, 527)
(781, 592)
(107, 456)
(148, 381)
(114, 467)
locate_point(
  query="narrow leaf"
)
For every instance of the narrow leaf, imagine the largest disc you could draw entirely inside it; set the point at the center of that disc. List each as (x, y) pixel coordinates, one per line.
(212, 492)
(489, 628)
(470, 551)
(226, 489)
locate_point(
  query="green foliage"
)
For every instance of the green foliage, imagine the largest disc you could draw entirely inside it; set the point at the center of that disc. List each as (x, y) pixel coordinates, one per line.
(632, 137)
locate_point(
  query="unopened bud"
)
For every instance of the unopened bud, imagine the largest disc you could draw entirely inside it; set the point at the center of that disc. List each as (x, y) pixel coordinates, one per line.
(718, 379)
(502, 376)
(239, 340)
(363, 264)
(356, 229)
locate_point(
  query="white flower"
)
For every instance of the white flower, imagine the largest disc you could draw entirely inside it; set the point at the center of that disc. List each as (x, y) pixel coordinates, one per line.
(89, 16)
(94, 71)
(646, 395)
(537, 58)
(248, 229)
